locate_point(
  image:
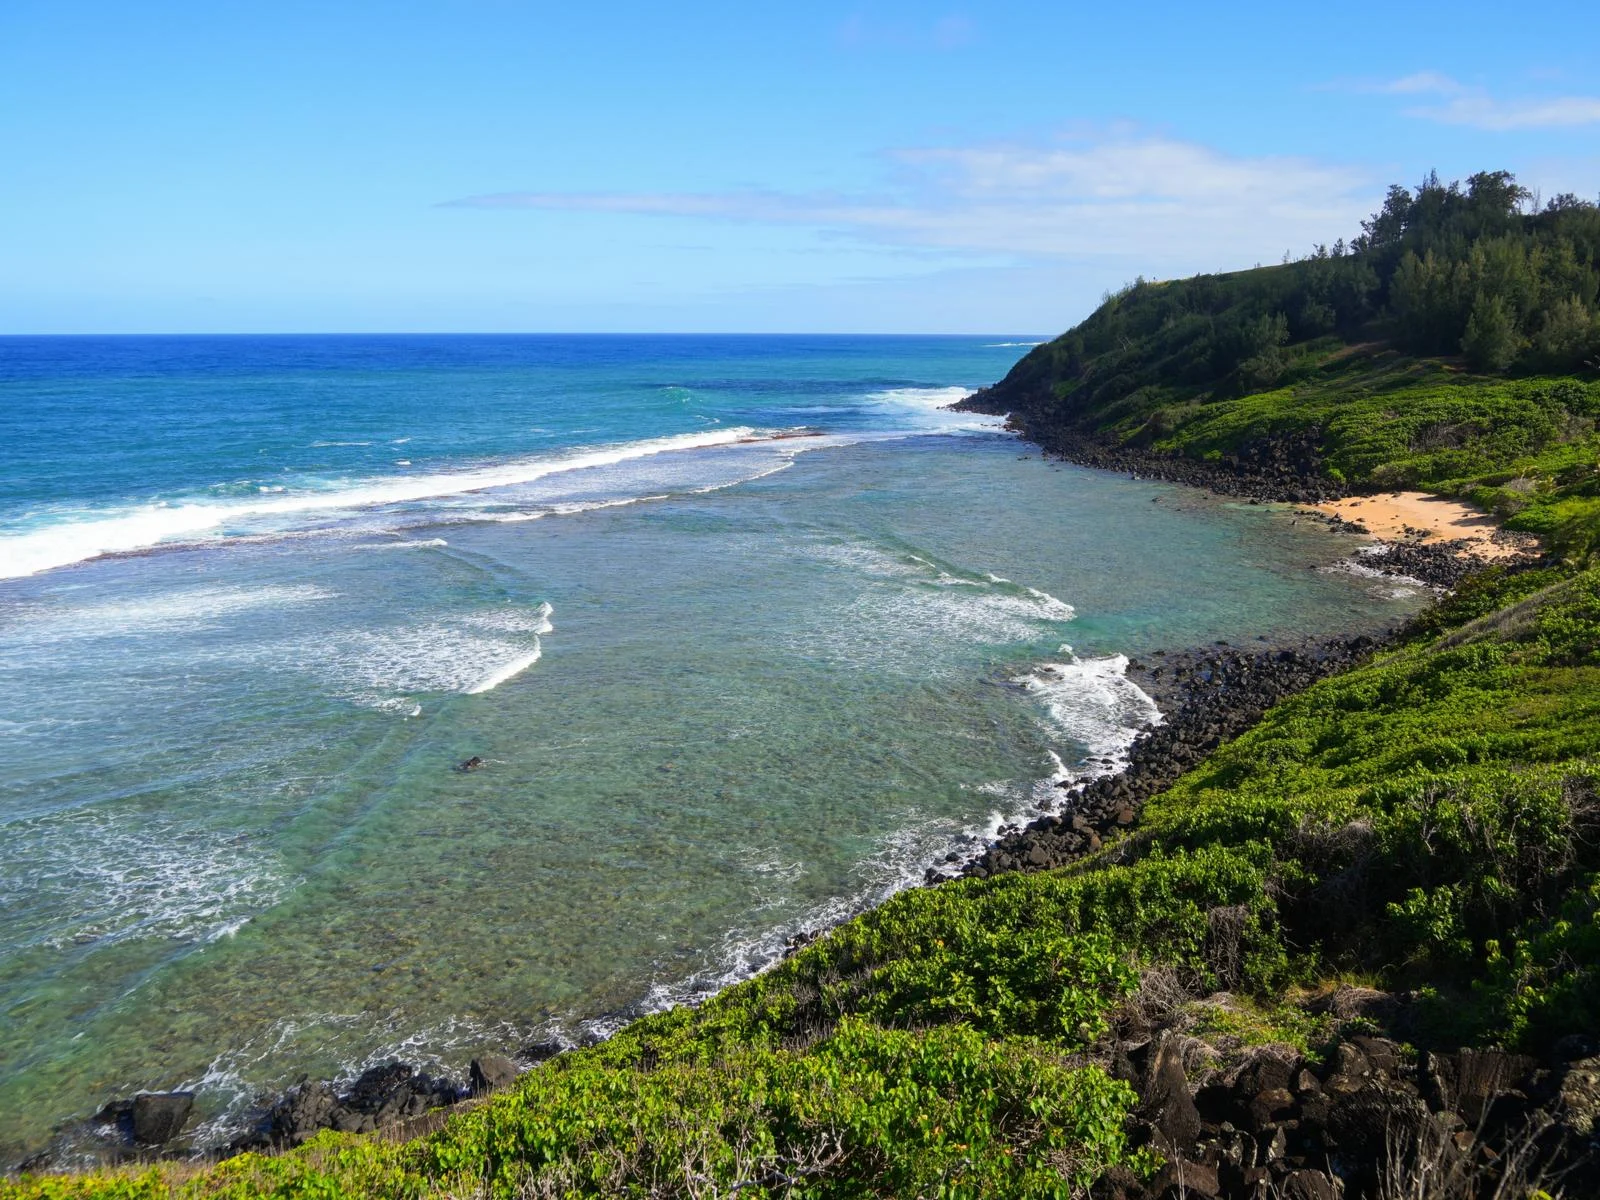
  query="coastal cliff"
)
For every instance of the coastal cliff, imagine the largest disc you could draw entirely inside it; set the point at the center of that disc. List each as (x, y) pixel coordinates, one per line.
(1362, 368)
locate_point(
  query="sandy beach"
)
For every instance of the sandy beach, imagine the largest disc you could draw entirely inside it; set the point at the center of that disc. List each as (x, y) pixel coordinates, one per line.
(1397, 516)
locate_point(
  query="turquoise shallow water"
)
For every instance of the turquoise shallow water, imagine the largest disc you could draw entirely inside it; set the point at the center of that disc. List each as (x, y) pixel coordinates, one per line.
(727, 685)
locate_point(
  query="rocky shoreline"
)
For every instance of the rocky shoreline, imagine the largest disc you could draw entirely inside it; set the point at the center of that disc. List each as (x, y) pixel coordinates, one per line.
(1207, 696)
(1284, 468)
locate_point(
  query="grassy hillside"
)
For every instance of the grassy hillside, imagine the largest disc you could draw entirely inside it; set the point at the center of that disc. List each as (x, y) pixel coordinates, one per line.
(1429, 820)
(1368, 365)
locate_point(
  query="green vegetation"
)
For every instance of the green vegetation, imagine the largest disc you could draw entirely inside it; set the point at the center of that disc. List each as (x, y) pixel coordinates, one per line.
(1428, 820)
(1325, 356)
(1525, 450)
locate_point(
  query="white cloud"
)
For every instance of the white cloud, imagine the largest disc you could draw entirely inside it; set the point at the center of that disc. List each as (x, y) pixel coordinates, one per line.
(1482, 112)
(1420, 83)
(1121, 194)
(1476, 108)
(950, 32)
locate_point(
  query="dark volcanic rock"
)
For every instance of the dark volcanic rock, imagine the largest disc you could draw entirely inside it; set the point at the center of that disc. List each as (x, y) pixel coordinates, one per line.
(384, 1095)
(1468, 1081)
(1284, 467)
(491, 1073)
(1180, 1179)
(301, 1112)
(1359, 1127)
(1119, 1183)
(158, 1117)
(377, 1086)
(543, 1051)
(1307, 1185)
(1164, 1096)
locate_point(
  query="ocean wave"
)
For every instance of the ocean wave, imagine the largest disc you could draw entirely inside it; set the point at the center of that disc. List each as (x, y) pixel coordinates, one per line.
(370, 666)
(760, 943)
(574, 507)
(274, 1059)
(1090, 702)
(186, 609)
(931, 399)
(923, 602)
(1009, 345)
(513, 620)
(99, 877)
(386, 669)
(422, 544)
(67, 542)
(571, 508)
(1397, 586)
(504, 671)
(924, 410)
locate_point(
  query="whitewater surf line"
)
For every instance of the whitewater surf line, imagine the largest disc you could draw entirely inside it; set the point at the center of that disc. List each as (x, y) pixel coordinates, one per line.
(71, 542)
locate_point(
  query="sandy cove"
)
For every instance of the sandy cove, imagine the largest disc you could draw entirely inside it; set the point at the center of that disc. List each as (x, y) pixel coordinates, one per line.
(1399, 516)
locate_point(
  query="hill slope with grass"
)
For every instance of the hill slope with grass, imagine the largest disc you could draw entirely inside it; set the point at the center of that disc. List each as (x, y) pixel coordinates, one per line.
(1454, 347)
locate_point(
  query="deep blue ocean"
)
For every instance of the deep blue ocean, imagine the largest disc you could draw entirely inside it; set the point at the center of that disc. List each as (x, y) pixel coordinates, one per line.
(747, 631)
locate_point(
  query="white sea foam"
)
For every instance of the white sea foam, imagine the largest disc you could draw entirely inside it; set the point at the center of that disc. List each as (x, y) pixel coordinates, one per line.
(422, 544)
(275, 1058)
(1091, 702)
(371, 666)
(570, 508)
(1009, 345)
(927, 410)
(920, 399)
(1090, 711)
(504, 672)
(101, 876)
(1056, 610)
(513, 620)
(783, 464)
(186, 609)
(468, 654)
(923, 604)
(574, 507)
(73, 541)
(1395, 586)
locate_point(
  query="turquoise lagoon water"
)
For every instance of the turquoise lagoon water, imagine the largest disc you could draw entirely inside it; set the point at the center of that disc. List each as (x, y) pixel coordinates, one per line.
(260, 595)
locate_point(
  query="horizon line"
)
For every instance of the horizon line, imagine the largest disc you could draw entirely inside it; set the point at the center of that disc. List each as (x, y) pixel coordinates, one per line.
(511, 333)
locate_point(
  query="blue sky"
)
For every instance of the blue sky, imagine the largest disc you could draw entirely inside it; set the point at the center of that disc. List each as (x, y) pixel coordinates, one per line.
(871, 167)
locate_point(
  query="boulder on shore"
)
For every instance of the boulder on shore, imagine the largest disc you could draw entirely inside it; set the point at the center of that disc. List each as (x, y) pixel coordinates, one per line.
(491, 1073)
(158, 1117)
